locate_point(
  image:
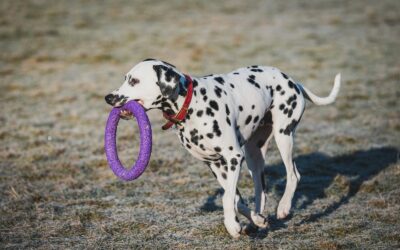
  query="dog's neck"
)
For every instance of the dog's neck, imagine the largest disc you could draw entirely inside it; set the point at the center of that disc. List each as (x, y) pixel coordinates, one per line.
(171, 106)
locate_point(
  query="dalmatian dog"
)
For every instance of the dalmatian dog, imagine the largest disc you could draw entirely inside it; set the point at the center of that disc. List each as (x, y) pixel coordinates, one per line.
(231, 118)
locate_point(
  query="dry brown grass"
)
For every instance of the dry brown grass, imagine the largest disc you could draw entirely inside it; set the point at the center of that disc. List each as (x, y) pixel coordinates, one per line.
(59, 58)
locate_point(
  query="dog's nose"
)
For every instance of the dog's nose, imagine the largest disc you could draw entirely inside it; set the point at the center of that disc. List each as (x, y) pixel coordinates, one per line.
(109, 99)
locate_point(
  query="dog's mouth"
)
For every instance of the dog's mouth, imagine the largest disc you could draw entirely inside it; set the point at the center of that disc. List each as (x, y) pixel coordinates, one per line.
(126, 114)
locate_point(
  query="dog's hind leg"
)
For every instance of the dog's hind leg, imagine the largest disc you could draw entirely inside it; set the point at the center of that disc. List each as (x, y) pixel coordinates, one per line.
(256, 149)
(284, 141)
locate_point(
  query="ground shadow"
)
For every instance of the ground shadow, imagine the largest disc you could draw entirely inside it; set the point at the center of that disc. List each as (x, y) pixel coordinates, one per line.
(318, 172)
(209, 205)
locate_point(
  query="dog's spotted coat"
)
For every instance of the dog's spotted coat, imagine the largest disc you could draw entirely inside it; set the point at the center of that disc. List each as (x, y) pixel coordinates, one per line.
(231, 118)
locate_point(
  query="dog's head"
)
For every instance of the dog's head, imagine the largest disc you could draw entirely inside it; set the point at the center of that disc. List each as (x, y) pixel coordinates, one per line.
(150, 83)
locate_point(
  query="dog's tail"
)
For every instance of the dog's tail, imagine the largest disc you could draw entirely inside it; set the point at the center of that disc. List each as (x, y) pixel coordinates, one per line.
(322, 100)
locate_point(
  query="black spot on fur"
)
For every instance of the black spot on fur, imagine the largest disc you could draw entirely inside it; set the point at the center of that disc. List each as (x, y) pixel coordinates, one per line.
(248, 119)
(230, 148)
(218, 91)
(210, 135)
(216, 129)
(223, 161)
(291, 99)
(256, 119)
(294, 104)
(253, 106)
(284, 75)
(236, 73)
(194, 136)
(291, 84)
(278, 87)
(251, 80)
(290, 128)
(290, 113)
(195, 83)
(240, 108)
(214, 105)
(228, 121)
(220, 80)
(282, 106)
(227, 109)
(203, 91)
(199, 113)
(217, 149)
(232, 86)
(209, 112)
(234, 161)
(223, 175)
(286, 111)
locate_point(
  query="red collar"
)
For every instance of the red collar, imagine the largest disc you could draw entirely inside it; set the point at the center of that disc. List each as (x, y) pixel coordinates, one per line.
(174, 119)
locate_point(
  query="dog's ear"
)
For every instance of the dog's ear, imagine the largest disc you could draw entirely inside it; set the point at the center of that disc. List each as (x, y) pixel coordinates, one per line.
(167, 81)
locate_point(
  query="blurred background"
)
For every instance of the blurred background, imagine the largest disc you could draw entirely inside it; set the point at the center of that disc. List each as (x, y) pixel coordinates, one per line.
(59, 58)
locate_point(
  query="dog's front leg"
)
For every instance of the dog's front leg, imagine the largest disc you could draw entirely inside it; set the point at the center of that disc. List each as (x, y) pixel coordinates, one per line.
(227, 174)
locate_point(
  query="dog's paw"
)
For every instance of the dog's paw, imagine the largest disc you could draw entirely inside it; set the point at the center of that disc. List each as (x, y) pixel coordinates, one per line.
(283, 209)
(259, 220)
(250, 229)
(233, 228)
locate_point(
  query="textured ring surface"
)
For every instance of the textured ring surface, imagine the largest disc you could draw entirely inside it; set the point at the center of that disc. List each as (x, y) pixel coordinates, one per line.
(110, 144)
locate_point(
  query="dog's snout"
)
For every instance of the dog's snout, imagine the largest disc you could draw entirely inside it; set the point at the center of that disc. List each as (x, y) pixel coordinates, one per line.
(109, 99)
(116, 100)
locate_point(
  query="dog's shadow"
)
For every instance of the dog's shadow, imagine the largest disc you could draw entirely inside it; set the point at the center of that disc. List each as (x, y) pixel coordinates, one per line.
(320, 175)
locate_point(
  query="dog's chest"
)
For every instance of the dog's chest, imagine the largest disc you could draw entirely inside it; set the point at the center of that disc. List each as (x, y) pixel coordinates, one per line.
(197, 140)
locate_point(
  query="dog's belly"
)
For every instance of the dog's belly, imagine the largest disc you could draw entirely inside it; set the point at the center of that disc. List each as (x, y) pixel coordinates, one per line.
(248, 120)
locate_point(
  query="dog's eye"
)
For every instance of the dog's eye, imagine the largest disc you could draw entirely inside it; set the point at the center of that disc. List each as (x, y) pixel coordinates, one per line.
(133, 81)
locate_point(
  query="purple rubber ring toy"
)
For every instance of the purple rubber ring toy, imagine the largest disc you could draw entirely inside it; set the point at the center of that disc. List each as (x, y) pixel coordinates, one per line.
(110, 144)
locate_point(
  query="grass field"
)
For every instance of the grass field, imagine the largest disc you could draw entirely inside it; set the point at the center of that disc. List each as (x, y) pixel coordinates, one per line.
(59, 58)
